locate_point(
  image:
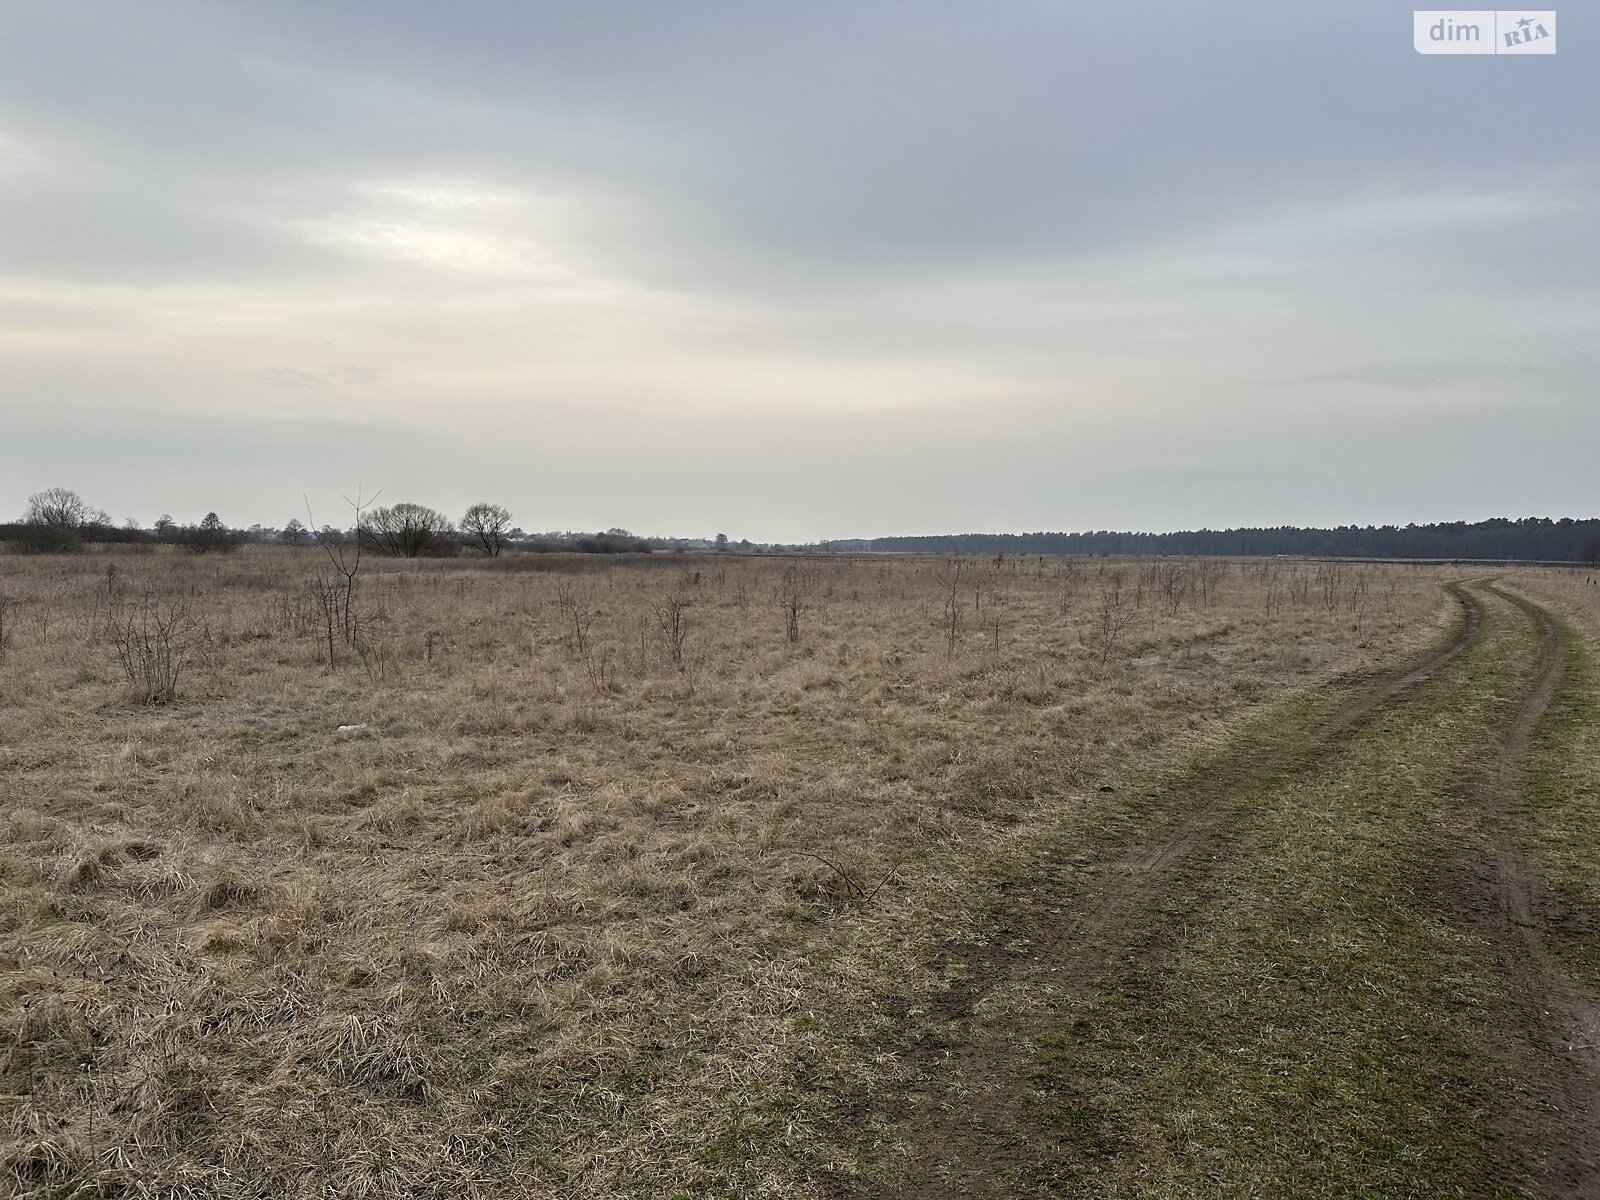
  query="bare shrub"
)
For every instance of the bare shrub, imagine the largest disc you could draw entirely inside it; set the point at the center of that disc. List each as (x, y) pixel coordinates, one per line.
(374, 644)
(995, 618)
(577, 617)
(1111, 614)
(672, 617)
(153, 644)
(1069, 585)
(952, 609)
(334, 596)
(792, 602)
(1171, 579)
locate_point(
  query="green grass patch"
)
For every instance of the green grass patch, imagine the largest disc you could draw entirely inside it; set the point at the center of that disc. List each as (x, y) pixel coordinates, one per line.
(1310, 1016)
(1558, 817)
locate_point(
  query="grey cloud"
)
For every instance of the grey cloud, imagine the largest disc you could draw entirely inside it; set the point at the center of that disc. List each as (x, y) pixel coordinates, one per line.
(299, 380)
(1418, 373)
(1003, 245)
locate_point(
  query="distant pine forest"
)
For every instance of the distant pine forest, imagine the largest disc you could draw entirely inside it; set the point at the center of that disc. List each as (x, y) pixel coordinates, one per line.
(1536, 539)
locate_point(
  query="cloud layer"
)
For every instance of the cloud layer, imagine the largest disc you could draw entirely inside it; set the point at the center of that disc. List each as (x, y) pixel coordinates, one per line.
(795, 271)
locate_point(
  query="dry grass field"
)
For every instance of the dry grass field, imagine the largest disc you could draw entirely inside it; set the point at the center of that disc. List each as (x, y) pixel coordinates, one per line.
(559, 876)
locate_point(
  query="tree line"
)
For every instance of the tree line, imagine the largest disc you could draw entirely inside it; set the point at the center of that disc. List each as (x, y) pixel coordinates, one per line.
(60, 521)
(1527, 539)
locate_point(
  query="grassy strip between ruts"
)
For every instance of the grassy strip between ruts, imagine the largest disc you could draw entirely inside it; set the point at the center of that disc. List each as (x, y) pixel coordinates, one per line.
(1558, 819)
(1313, 1023)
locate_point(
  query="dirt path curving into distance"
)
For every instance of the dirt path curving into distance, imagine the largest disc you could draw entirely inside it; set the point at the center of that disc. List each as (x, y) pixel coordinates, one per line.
(1081, 924)
(1559, 1022)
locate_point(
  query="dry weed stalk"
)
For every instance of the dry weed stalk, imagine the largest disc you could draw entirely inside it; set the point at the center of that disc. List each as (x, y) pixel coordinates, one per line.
(952, 609)
(7, 623)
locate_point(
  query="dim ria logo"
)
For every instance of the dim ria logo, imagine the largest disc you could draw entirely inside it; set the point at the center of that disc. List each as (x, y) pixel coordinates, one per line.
(1483, 31)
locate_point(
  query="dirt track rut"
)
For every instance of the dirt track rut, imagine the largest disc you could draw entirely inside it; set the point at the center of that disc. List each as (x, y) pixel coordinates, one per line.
(1558, 1023)
(1070, 928)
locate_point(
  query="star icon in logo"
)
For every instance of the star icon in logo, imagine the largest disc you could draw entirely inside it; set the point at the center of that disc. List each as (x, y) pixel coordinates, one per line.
(1525, 22)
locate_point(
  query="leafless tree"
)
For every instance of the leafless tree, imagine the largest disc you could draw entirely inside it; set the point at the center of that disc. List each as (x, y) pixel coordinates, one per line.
(56, 521)
(484, 526)
(60, 508)
(406, 530)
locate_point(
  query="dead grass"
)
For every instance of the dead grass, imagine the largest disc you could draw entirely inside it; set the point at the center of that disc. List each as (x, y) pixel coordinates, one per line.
(575, 909)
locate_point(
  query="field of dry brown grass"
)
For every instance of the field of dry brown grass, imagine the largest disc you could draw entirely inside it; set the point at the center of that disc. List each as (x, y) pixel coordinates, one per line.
(553, 876)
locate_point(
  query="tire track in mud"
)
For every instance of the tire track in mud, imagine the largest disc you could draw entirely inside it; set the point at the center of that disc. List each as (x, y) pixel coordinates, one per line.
(1073, 929)
(1557, 1032)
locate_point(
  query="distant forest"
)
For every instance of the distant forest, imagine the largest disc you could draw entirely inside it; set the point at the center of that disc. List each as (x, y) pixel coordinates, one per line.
(1531, 538)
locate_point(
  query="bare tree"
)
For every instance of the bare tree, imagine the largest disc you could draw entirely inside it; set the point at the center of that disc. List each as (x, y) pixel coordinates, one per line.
(59, 508)
(406, 530)
(56, 521)
(485, 525)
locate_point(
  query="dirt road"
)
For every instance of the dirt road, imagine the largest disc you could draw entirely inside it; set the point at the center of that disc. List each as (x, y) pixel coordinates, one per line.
(1313, 964)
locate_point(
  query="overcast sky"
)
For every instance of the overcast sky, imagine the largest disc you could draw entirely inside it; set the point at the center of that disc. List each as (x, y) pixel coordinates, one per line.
(796, 270)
